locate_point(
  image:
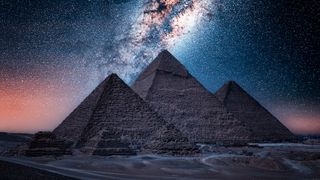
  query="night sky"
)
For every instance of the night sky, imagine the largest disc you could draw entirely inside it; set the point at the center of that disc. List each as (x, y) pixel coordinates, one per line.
(54, 53)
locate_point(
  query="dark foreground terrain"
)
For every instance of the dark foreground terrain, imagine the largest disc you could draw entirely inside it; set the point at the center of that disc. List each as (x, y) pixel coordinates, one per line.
(263, 161)
(9, 170)
(11, 140)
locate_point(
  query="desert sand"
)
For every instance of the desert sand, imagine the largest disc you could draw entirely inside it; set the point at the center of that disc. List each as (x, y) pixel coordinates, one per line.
(257, 161)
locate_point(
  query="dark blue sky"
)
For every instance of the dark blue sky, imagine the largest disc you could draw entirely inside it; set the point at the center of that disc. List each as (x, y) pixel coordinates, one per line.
(62, 49)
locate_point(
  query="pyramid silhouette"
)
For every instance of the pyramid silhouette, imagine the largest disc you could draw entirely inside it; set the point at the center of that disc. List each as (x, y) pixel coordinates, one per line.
(182, 100)
(123, 124)
(263, 125)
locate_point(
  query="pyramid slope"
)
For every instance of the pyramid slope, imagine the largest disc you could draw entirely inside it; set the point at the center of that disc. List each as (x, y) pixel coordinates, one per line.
(183, 101)
(123, 123)
(71, 128)
(263, 125)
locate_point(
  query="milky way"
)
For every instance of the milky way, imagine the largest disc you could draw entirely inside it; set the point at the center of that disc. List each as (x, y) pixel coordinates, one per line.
(159, 24)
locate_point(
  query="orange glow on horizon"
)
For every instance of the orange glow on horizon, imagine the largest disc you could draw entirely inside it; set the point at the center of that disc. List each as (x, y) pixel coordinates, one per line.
(303, 124)
(28, 107)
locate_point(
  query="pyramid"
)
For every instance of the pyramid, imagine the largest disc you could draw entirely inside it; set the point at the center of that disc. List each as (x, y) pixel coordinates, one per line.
(71, 128)
(123, 124)
(46, 144)
(263, 125)
(180, 99)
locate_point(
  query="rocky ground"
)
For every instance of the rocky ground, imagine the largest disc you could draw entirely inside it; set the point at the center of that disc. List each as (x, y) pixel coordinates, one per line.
(257, 161)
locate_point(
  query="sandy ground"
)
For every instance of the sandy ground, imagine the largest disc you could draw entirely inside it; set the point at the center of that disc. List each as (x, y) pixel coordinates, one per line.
(268, 161)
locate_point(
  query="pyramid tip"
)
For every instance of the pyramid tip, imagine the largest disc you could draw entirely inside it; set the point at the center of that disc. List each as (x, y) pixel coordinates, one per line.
(233, 85)
(232, 82)
(113, 76)
(165, 52)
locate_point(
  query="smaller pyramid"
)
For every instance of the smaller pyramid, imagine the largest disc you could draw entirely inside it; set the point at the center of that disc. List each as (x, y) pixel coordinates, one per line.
(262, 124)
(123, 124)
(46, 144)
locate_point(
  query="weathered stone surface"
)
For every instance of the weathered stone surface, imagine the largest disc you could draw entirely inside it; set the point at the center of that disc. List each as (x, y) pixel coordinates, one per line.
(165, 142)
(261, 123)
(122, 123)
(182, 100)
(46, 143)
(72, 127)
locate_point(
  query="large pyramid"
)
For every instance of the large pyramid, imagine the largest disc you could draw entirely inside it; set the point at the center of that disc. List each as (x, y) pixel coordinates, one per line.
(263, 125)
(122, 123)
(183, 101)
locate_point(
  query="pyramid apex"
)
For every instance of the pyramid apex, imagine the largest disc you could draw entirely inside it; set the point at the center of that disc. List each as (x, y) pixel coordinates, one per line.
(113, 76)
(165, 62)
(111, 81)
(232, 83)
(166, 56)
(165, 52)
(223, 92)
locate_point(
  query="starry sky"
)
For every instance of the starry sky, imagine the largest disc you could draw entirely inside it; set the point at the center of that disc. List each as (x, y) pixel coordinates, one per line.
(54, 53)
